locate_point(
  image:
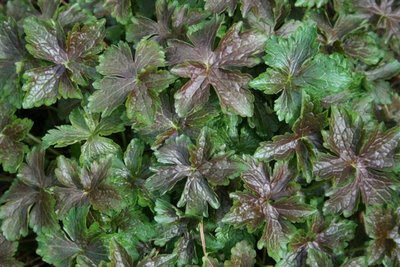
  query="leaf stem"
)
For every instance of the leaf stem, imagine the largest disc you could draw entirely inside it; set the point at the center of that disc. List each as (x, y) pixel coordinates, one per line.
(264, 255)
(123, 137)
(203, 239)
(39, 142)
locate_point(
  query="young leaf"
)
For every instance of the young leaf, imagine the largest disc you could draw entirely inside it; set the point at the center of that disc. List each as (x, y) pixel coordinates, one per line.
(382, 226)
(205, 66)
(70, 59)
(91, 128)
(83, 186)
(12, 131)
(61, 247)
(311, 3)
(172, 223)
(271, 199)
(267, 16)
(135, 82)
(303, 142)
(296, 65)
(358, 163)
(243, 255)
(132, 166)
(167, 124)
(172, 21)
(28, 200)
(343, 26)
(385, 13)
(158, 260)
(199, 164)
(321, 241)
(119, 256)
(120, 9)
(218, 6)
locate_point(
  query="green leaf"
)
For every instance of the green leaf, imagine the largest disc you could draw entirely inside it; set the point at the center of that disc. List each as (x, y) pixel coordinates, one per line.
(295, 66)
(364, 47)
(11, 53)
(158, 260)
(12, 131)
(311, 3)
(61, 247)
(303, 142)
(120, 9)
(322, 239)
(119, 256)
(167, 124)
(243, 255)
(91, 128)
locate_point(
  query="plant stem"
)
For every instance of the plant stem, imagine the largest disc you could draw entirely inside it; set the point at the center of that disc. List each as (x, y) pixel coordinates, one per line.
(39, 142)
(123, 137)
(203, 239)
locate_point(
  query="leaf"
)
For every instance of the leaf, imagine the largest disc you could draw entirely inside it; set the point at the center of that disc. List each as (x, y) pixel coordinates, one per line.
(364, 47)
(7, 252)
(356, 262)
(172, 21)
(119, 256)
(83, 186)
(242, 255)
(12, 131)
(303, 142)
(385, 13)
(198, 164)
(28, 200)
(381, 225)
(296, 66)
(76, 53)
(266, 16)
(341, 29)
(132, 229)
(120, 9)
(321, 240)
(218, 6)
(171, 221)
(312, 3)
(125, 80)
(158, 260)
(62, 246)
(167, 124)
(88, 127)
(205, 66)
(358, 163)
(11, 52)
(270, 199)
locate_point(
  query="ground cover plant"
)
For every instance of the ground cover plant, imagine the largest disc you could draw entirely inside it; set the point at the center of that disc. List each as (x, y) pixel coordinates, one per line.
(230, 133)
